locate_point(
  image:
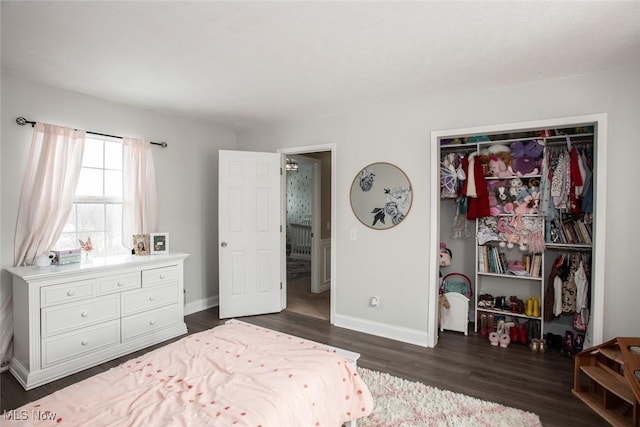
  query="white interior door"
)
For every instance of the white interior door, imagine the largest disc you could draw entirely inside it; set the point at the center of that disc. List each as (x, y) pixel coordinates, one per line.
(249, 233)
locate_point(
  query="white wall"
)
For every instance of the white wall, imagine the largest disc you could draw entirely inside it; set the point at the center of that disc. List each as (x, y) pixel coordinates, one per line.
(392, 264)
(186, 171)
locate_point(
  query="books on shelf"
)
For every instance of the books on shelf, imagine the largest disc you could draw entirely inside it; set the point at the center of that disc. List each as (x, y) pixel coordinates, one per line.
(569, 231)
(536, 265)
(493, 260)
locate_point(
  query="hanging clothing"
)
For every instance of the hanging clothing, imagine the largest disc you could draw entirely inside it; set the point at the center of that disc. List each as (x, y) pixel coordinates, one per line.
(582, 287)
(551, 293)
(569, 295)
(575, 187)
(475, 189)
(587, 189)
(557, 299)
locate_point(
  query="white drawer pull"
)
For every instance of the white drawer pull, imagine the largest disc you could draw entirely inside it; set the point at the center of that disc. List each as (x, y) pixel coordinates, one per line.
(84, 314)
(152, 322)
(84, 342)
(71, 293)
(120, 283)
(162, 276)
(151, 298)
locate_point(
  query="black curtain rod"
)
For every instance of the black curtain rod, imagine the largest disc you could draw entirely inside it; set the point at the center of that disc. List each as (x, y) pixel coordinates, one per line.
(22, 121)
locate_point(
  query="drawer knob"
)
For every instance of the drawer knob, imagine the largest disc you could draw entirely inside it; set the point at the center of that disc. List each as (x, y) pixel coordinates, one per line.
(162, 276)
(151, 298)
(152, 322)
(71, 293)
(120, 283)
(84, 342)
(84, 314)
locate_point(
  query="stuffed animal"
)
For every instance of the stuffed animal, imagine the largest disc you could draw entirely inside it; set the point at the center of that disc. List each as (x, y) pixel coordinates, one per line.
(526, 158)
(484, 163)
(505, 156)
(494, 205)
(504, 203)
(445, 255)
(443, 302)
(498, 167)
(515, 187)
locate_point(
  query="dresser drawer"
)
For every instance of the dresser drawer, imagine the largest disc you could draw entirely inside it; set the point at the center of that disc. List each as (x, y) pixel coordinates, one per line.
(159, 275)
(147, 298)
(149, 321)
(66, 317)
(63, 347)
(108, 285)
(67, 292)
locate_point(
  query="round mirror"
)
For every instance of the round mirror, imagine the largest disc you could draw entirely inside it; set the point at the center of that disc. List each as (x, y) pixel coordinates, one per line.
(381, 195)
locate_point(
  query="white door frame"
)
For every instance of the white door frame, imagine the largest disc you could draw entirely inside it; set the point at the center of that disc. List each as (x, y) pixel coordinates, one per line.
(596, 326)
(302, 150)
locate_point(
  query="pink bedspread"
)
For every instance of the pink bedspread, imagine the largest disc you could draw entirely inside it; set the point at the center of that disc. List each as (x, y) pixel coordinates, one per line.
(231, 375)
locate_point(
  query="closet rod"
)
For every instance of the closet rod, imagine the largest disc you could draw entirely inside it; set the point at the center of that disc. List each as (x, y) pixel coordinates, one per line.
(578, 142)
(557, 248)
(458, 148)
(22, 121)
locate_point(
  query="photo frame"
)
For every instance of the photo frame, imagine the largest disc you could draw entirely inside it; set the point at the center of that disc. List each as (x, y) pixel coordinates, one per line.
(141, 244)
(381, 195)
(159, 243)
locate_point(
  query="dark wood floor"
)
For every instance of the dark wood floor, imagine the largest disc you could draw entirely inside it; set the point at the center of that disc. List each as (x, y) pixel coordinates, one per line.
(539, 383)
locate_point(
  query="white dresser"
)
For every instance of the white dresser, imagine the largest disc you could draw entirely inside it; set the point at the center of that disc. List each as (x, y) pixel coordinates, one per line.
(69, 318)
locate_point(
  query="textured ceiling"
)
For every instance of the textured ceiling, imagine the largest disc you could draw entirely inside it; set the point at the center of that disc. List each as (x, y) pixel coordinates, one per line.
(240, 64)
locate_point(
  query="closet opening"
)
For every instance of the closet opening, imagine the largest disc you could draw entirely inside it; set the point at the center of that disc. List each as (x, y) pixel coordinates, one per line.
(520, 210)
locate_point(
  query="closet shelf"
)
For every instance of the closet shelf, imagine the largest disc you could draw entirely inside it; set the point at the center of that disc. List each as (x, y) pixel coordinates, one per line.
(509, 276)
(500, 178)
(506, 312)
(568, 247)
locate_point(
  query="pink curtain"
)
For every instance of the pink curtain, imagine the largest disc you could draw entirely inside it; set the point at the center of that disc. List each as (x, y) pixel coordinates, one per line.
(48, 187)
(139, 196)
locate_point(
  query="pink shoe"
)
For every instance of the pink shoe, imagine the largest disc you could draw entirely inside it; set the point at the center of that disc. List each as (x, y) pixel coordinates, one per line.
(494, 338)
(504, 340)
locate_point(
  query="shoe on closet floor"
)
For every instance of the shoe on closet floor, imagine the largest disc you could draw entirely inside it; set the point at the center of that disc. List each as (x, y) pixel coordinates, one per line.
(504, 340)
(542, 345)
(494, 338)
(533, 345)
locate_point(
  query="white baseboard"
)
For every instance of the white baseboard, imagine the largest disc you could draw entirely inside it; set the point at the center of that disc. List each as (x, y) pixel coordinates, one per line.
(201, 304)
(398, 333)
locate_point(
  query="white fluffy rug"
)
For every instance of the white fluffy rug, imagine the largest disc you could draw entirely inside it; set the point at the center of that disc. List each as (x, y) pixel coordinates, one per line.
(402, 403)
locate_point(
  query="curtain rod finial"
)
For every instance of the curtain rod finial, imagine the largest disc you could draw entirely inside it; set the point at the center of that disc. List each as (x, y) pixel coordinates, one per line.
(22, 121)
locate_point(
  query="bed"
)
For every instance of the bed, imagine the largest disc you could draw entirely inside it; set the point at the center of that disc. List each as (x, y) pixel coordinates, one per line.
(235, 374)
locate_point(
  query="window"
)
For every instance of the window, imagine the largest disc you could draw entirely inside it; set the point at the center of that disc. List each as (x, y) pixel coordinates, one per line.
(97, 204)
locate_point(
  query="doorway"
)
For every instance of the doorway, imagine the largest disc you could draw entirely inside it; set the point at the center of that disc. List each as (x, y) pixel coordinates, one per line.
(308, 232)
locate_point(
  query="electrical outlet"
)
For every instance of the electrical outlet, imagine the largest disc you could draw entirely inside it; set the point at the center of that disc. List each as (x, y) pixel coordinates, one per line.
(374, 301)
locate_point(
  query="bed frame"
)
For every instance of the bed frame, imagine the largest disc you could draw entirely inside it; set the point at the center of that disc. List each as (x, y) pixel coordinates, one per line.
(300, 240)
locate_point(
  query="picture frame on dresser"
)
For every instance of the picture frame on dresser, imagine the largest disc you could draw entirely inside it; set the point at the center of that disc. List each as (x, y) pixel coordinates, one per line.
(141, 244)
(159, 243)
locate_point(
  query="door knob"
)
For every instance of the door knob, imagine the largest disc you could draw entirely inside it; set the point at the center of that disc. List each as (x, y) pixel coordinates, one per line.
(223, 244)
